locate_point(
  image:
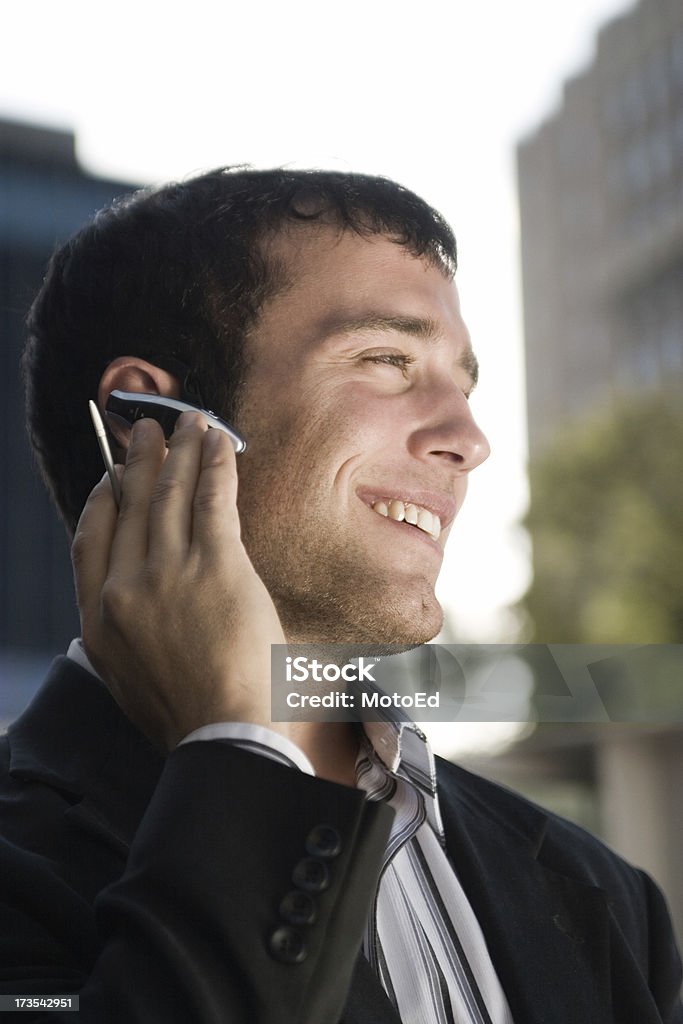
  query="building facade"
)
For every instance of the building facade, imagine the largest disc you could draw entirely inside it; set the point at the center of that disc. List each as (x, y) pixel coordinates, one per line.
(601, 213)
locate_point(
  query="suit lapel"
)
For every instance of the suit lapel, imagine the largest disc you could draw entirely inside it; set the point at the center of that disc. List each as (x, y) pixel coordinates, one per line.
(367, 1001)
(548, 935)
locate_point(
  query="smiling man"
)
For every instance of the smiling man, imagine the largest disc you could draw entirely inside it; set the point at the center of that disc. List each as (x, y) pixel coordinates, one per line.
(170, 854)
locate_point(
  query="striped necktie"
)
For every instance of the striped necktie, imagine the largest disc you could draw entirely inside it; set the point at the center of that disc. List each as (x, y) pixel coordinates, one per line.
(422, 938)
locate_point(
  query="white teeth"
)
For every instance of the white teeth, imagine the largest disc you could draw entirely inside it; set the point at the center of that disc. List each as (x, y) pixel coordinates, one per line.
(397, 510)
(417, 516)
(412, 514)
(425, 520)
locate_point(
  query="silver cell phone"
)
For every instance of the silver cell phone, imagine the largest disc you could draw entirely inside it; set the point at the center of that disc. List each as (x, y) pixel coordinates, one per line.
(129, 406)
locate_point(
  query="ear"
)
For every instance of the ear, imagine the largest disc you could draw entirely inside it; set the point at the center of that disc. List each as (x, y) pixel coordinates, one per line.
(130, 373)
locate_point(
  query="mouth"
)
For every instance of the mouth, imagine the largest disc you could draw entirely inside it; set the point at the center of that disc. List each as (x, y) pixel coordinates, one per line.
(409, 512)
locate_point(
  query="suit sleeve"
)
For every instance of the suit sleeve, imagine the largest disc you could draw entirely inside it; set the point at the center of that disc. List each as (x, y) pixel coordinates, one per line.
(243, 900)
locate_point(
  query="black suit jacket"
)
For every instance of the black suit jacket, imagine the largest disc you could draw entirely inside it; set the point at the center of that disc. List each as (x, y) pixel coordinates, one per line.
(153, 887)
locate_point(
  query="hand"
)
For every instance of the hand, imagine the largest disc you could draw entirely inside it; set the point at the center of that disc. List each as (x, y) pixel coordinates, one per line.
(174, 616)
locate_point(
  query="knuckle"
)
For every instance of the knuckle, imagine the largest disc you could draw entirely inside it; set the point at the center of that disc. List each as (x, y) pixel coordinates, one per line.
(209, 501)
(127, 604)
(117, 601)
(167, 489)
(130, 510)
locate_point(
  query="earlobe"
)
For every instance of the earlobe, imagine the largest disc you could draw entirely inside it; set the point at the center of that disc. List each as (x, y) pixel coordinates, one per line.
(131, 373)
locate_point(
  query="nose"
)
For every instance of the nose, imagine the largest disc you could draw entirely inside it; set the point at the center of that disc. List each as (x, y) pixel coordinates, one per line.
(449, 431)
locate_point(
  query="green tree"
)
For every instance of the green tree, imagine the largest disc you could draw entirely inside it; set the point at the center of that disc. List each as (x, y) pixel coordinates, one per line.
(606, 522)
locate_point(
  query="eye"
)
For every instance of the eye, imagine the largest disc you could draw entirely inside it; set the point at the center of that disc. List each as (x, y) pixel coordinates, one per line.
(398, 359)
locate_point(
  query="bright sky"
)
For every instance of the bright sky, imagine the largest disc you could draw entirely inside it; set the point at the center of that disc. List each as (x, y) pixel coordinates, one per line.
(433, 94)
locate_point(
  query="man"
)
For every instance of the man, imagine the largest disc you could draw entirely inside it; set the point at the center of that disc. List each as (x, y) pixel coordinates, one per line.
(169, 853)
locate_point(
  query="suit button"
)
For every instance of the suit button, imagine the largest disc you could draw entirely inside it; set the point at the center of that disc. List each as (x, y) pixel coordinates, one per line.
(287, 946)
(298, 908)
(323, 841)
(311, 875)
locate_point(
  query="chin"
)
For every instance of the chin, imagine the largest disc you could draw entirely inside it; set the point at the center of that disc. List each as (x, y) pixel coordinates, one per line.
(423, 621)
(382, 628)
(345, 608)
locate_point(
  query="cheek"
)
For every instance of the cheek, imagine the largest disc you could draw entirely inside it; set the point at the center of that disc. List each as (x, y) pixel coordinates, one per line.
(312, 428)
(372, 423)
(276, 408)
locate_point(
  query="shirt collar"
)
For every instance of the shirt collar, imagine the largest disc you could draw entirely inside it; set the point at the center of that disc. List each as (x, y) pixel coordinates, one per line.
(76, 652)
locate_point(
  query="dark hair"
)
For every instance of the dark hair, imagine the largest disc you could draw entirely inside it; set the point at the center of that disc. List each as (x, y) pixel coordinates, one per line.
(179, 271)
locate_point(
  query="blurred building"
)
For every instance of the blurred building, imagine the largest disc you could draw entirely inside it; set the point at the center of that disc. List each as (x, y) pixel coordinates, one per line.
(601, 208)
(601, 216)
(44, 197)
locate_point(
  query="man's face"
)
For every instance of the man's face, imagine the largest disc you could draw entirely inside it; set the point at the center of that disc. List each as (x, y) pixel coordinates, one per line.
(355, 396)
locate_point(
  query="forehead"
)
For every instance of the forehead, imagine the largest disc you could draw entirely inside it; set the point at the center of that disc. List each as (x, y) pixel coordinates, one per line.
(330, 277)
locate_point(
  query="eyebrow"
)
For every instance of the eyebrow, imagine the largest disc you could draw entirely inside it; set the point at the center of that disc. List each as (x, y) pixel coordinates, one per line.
(423, 328)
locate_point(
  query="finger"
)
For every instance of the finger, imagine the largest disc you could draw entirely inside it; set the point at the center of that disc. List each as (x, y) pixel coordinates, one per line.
(216, 519)
(91, 547)
(144, 458)
(170, 516)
